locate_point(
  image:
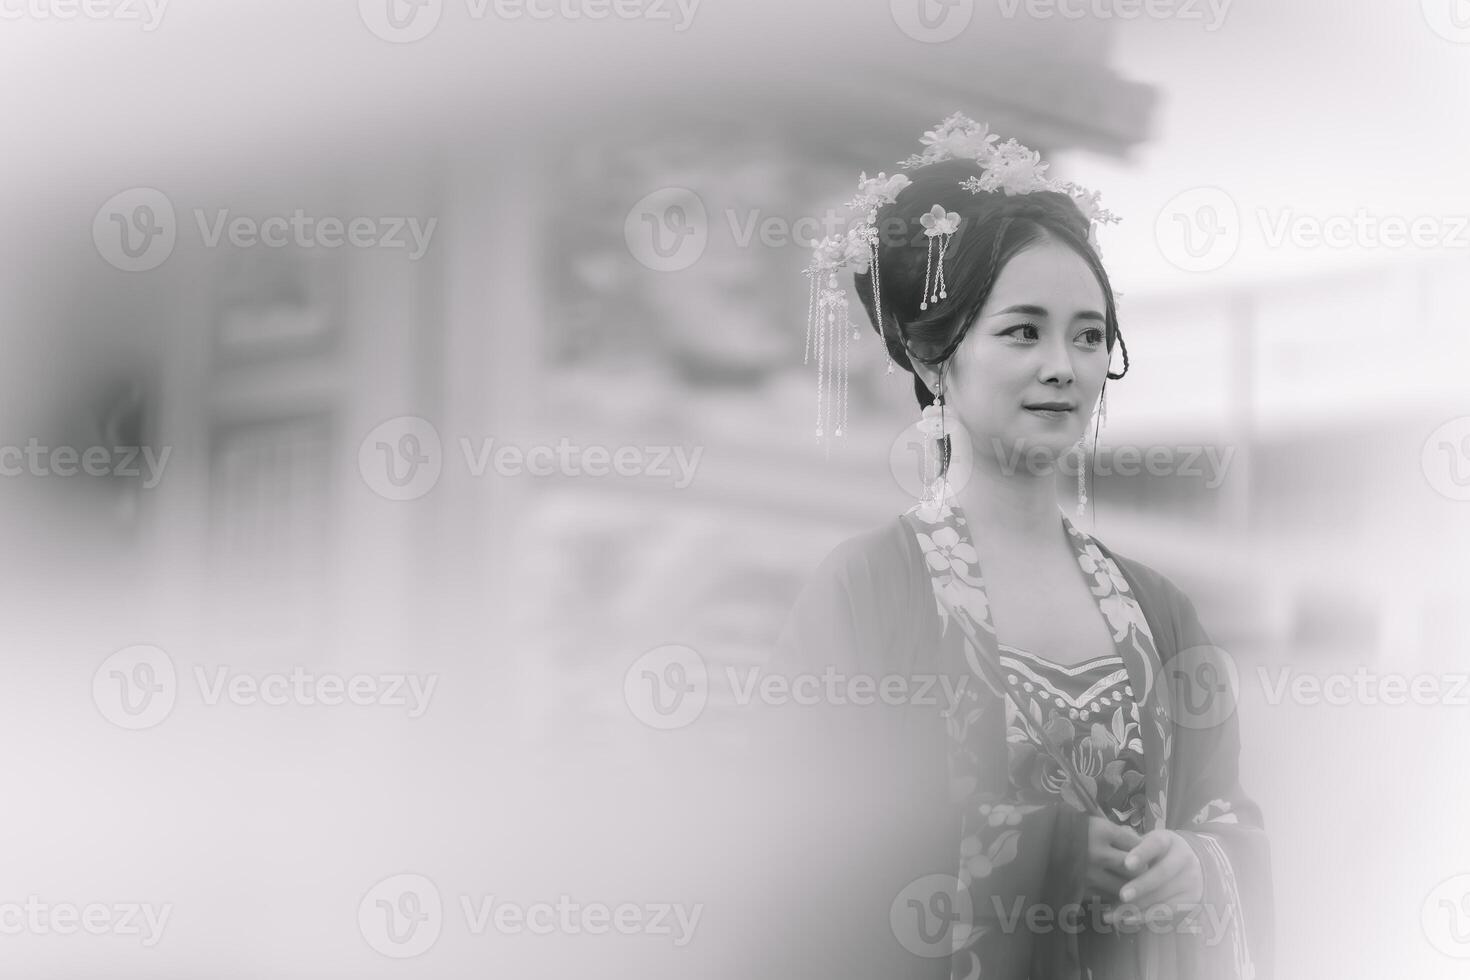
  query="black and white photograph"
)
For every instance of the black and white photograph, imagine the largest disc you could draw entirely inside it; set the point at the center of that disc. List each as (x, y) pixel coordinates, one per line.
(735, 489)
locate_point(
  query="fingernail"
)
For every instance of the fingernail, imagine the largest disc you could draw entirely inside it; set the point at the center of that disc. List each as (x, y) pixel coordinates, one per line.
(1127, 894)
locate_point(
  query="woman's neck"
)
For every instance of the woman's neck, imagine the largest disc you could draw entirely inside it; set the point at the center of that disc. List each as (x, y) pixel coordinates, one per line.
(1013, 510)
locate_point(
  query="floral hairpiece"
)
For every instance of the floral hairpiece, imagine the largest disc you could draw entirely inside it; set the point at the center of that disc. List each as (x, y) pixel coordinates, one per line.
(1008, 167)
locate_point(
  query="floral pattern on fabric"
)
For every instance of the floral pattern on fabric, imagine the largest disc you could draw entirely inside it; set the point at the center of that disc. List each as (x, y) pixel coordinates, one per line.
(1094, 762)
(1092, 709)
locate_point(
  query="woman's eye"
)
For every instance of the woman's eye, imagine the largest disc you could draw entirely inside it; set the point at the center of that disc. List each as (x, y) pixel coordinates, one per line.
(1021, 326)
(1092, 336)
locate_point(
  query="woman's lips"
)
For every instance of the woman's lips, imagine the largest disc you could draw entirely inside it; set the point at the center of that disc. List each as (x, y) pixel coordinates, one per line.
(1049, 413)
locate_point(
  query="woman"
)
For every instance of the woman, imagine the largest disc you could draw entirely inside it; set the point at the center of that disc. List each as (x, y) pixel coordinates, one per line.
(1094, 825)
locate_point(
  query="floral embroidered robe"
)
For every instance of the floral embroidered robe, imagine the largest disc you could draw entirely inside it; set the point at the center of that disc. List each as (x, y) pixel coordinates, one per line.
(887, 604)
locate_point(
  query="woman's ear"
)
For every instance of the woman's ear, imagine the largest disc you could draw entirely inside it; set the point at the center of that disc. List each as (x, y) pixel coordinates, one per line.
(929, 375)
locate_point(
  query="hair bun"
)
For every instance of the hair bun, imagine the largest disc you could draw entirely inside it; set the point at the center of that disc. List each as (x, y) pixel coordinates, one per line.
(1041, 204)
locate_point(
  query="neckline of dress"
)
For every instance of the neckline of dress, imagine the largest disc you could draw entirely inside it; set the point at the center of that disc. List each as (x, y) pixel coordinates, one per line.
(1091, 662)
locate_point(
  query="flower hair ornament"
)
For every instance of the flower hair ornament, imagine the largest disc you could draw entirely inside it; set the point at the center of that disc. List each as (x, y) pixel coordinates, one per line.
(939, 224)
(1008, 167)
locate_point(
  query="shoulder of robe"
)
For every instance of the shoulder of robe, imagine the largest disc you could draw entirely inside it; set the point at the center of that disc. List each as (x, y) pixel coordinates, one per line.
(881, 557)
(1162, 600)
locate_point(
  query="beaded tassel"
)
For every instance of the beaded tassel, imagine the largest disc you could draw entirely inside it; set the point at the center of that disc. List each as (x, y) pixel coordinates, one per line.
(829, 337)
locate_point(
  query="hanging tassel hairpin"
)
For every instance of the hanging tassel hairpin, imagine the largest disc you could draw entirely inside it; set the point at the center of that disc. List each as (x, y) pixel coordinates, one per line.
(938, 226)
(1006, 168)
(829, 330)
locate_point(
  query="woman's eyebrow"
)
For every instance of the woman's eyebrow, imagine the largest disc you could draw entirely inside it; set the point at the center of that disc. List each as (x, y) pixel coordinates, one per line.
(1029, 310)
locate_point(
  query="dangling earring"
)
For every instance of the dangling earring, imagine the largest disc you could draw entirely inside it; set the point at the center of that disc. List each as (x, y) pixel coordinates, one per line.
(1100, 414)
(931, 426)
(1081, 481)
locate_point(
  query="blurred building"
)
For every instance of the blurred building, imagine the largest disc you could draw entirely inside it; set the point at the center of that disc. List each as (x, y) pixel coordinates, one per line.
(541, 311)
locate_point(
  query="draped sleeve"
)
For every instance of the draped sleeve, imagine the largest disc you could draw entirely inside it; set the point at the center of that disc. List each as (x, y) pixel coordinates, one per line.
(854, 788)
(1209, 807)
(854, 611)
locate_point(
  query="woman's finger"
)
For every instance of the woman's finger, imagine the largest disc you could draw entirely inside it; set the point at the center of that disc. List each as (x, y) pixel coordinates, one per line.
(1106, 881)
(1153, 845)
(1141, 889)
(1134, 912)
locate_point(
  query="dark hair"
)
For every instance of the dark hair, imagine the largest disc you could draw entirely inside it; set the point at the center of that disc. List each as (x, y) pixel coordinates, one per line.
(994, 227)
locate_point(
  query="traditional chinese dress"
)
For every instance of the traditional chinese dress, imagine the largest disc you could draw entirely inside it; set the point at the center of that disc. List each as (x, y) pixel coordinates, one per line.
(1029, 749)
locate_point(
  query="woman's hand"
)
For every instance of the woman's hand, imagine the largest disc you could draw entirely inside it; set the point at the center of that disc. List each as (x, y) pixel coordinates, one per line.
(1165, 871)
(1108, 846)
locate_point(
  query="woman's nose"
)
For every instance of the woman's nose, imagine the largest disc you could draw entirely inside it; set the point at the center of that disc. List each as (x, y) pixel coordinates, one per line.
(1057, 366)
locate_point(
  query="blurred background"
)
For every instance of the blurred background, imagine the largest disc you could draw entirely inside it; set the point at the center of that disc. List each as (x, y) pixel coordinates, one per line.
(464, 341)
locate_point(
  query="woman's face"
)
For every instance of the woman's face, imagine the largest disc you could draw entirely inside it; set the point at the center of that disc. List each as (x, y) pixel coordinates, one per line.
(1038, 339)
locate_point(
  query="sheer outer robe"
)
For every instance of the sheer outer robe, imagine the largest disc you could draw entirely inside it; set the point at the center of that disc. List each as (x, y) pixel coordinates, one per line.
(874, 777)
